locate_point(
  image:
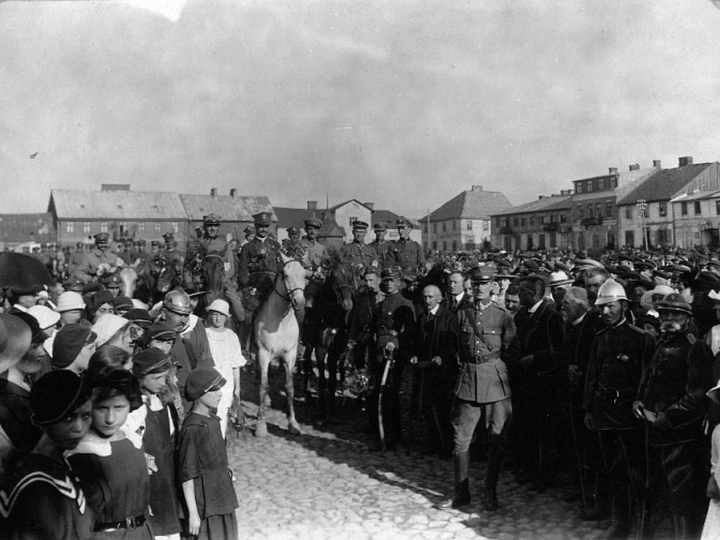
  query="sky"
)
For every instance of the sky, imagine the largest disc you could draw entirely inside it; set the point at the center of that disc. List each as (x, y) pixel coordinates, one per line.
(404, 104)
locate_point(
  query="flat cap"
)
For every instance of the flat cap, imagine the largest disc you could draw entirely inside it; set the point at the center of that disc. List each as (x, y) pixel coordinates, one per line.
(151, 361)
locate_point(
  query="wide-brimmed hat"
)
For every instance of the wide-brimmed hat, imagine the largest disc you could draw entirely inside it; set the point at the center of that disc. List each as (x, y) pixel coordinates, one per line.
(46, 317)
(660, 290)
(69, 301)
(220, 306)
(15, 340)
(107, 326)
(559, 278)
(55, 395)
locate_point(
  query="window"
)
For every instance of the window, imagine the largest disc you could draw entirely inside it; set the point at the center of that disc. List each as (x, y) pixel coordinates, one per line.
(579, 187)
(174, 226)
(158, 227)
(444, 230)
(590, 211)
(683, 208)
(613, 183)
(579, 210)
(516, 221)
(662, 209)
(608, 209)
(454, 244)
(434, 230)
(434, 245)
(86, 227)
(486, 225)
(628, 215)
(532, 220)
(601, 184)
(468, 225)
(141, 228)
(70, 227)
(598, 210)
(103, 226)
(563, 218)
(697, 208)
(454, 228)
(444, 244)
(523, 221)
(717, 208)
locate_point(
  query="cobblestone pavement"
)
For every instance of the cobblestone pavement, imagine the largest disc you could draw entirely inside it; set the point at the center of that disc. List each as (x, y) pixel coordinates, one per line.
(329, 483)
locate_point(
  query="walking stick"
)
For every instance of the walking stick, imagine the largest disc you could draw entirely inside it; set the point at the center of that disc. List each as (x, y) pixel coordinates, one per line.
(388, 356)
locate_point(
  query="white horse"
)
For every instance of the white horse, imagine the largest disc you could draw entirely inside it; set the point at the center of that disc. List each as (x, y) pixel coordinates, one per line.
(276, 335)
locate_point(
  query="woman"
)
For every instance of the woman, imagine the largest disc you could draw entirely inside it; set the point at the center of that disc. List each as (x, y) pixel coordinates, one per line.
(113, 473)
(99, 304)
(227, 354)
(43, 498)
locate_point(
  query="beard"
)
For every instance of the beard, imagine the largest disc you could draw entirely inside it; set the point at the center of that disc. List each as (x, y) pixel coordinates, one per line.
(670, 327)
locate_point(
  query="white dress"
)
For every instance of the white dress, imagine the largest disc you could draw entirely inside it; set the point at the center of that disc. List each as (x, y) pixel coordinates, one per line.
(711, 530)
(227, 354)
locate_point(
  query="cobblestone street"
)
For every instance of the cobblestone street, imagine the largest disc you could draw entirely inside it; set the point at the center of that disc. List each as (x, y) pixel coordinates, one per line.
(329, 483)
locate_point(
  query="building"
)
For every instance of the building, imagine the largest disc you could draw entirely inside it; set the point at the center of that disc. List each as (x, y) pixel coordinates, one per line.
(594, 211)
(295, 217)
(26, 230)
(647, 205)
(464, 222)
(696, 219)
(346, 213)
(80, 214)
(538, 225)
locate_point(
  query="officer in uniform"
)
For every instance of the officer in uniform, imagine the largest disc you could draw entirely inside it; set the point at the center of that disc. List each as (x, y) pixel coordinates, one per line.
(143, 258)
(258, 262)
(394, 326)
(171, 254)
(380, 245)
(357, 252)
(90, 269)
(488, 348)
(618, 354)
(76, 258)
(155, 250)
(406, 253)
(211, 243)
(291, 245)
(315, 252)
(672, 404)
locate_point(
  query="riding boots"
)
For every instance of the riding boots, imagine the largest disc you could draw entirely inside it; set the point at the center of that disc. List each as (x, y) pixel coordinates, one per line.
(493, 473)
(462, 483)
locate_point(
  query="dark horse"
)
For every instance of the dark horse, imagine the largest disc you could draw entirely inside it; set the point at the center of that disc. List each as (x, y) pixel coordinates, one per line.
(326, 328)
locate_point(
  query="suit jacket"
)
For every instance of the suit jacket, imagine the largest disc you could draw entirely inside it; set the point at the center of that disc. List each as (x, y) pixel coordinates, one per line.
(541, 334)
(437, 335)
(465, 301)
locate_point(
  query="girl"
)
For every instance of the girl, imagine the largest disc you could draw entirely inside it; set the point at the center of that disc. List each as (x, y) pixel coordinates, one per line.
(206, 480)
(111, 469)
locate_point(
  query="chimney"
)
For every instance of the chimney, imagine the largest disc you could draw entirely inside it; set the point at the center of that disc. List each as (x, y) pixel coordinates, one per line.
(635, 167)
(312, 205)
(477, 187)
(213, 192)
(233, 192)
(613, 170)
(685, 161)
(370, 205)
(541, 197)
(657, 164)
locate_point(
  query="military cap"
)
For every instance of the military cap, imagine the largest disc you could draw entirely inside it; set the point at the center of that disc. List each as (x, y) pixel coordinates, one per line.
(74, 284)
(211, 219)
(403, 222)
(313, 222)
(390, 273)
(674, 302)
(359, 225)
(159, 331)
(169, 237)
(249, 230)
(111, 282)
(140, 242)
(155, 243)
(202, 380)
(380, 227)
(140, 317)
(482, 274)
(262, 219)
(102, 238)
(293, 230)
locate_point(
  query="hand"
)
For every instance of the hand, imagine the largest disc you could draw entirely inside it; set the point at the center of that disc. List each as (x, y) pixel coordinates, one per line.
(436, 361)
(194, 524)
(662, 421)
(712, 491)
(637, 408)
(413, 360)
(389, 347)
(150, 461)
(588, 421)
(527, 361)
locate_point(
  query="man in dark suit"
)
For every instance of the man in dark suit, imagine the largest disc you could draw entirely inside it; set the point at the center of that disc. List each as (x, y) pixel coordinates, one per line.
(436, 368)
(457, 298)
(540, 382)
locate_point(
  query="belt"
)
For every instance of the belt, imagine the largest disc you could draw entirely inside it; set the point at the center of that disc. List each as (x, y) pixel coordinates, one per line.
(617, 395)
(482, 358)
(387, 332)
(129, 523)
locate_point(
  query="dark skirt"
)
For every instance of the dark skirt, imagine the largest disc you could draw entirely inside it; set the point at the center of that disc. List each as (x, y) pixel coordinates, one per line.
(218, 527)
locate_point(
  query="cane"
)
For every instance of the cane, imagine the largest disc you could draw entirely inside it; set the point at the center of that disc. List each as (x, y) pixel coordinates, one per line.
(388, 356)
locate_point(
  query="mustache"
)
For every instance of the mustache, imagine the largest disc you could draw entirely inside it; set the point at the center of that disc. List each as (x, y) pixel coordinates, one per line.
(670, 327)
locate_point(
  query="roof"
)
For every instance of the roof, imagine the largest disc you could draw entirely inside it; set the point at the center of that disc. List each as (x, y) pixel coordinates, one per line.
(79, 204)
(27, 227)
(294, 217)
(229, 208)
(472, 204)
(543, 204)
(335, 207)
(697, 196)
(390, 218)
(664, 184)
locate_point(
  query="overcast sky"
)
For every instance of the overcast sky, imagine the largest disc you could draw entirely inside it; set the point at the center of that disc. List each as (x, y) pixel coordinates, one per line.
(403, 103)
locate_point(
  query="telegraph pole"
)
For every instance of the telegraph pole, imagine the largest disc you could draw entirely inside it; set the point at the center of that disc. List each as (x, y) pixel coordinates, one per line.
(642, 205)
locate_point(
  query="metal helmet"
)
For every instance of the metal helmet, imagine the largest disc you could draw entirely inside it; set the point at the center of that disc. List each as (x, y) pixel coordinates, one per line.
(675, 302)
(178, 302)
(610, 291)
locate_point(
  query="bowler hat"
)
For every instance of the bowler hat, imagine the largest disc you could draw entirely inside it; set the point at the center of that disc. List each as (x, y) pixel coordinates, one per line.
(55, 395)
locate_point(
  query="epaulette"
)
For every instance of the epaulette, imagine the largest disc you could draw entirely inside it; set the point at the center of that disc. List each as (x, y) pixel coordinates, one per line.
(692, 339)
(637, 329)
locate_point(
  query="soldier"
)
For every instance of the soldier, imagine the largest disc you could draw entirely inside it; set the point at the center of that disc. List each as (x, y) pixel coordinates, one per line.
(211, 243)
(249, 233)
(394, 326)
(171, 254)
(488, 347)
(76, 258)
(128, 253)
(155, 250)
(406, 253)
(380, 245)
(99, 261)
(672, 404)
(617, 356)
(143, 258)
(315, 252)
(291, 245)
(357, 252)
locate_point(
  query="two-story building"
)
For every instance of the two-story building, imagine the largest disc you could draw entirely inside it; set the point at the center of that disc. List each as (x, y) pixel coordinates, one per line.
(696, 219)
(464, 222)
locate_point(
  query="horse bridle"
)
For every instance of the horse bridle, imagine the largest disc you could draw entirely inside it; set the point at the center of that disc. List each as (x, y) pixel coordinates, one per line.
(288, 296)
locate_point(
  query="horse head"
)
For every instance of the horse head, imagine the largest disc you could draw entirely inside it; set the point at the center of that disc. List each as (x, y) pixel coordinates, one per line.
(167, 277)
(213, 275)
(128, 279)
(344, 281)
(293, 279)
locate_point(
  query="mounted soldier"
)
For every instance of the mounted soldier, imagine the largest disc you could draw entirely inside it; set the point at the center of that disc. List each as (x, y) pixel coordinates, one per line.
(380, 245)
(357, 252)
(98, 262)
(405, 253)
(171, 254)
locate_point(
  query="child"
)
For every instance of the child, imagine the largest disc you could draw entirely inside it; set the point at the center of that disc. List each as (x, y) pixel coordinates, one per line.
(712, 520)
(210, 499)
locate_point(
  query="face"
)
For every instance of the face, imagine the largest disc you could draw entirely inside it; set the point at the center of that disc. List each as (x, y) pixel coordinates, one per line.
(211, 231)
(467, 286)
(570, 309)
(431, 298)
(455, 284)
(71, 317)
(164, 346)
(32, 362)
(103, 247)
(558, 293)
(28, 300)
(109, 416)
(211, 399)
(178, 321)
(403, 231)
(512, 302)
(311, 233)
(674, 321)
(482, 290)
(233, 244)
(612, 313)
(380, 235)
(261, 231)
(651, 329)
(372, 281)
(391, 286)
(217, 319)
(103, 310)
(82, 359)
(68, 432)
(592, 286)
(526, 294)
(153, 383)
(359, 235)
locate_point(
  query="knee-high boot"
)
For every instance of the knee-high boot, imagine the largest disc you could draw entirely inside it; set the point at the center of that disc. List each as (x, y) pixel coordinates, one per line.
(495, 456)
(461, 496)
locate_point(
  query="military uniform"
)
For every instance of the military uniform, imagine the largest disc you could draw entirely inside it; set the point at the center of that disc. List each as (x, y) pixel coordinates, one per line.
(88, 269)
(259, 263)
(381, 248)
(405, 253)
(358, 253)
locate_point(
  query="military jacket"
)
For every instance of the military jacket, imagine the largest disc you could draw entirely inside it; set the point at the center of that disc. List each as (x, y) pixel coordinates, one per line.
(675, 383)
(358, 254)
(395, 321)
(488, 345)
(87, 270)
(407, 254)
(315, 253)
(381, 250)
(258, 256)
(220, 247)
(617, 357)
